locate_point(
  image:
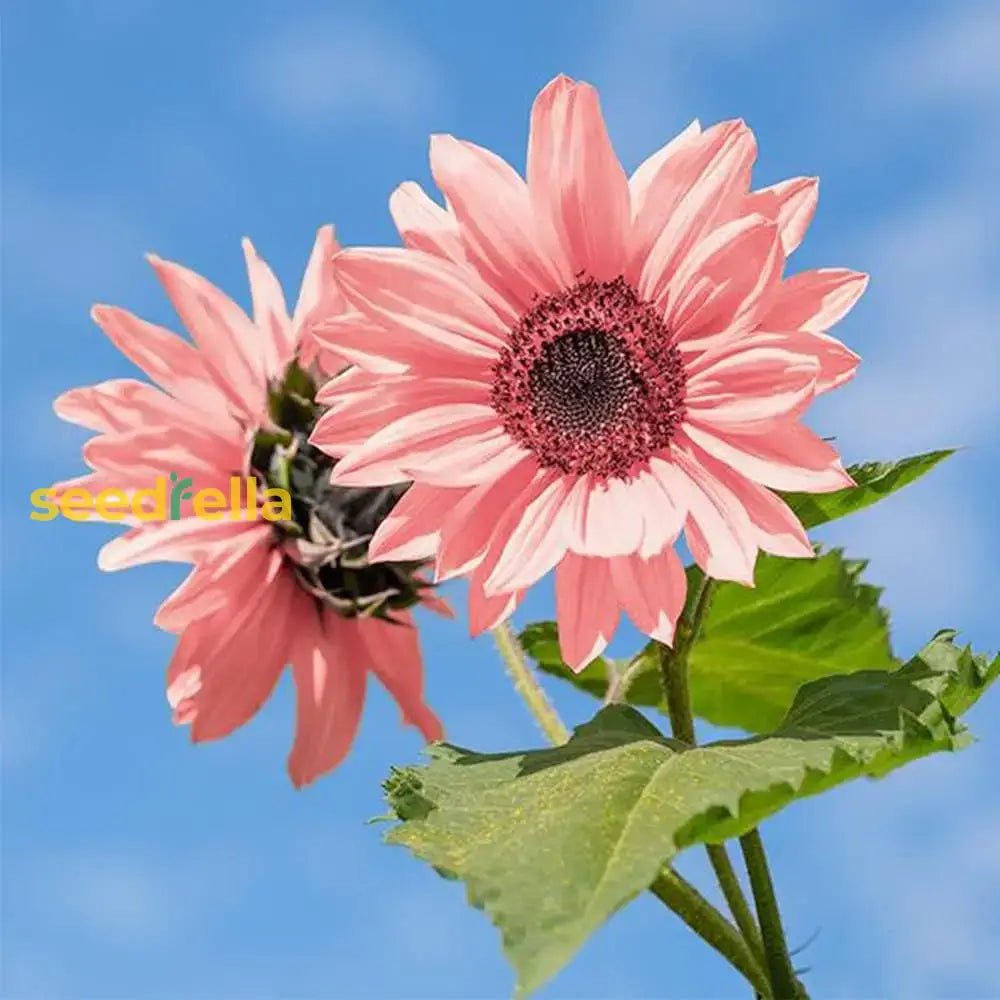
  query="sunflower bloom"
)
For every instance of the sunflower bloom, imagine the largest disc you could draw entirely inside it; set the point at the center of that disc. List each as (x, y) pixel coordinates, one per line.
(577, 367)
(239, 401)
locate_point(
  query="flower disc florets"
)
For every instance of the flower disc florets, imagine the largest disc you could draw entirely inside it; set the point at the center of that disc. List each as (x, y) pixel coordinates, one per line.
(590, 381)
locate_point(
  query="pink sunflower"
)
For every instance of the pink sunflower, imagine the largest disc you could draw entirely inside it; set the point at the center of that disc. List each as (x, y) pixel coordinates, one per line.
(576, 368)
(239, 401)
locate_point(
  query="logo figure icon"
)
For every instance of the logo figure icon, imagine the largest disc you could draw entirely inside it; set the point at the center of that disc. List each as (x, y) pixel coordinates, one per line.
(179, 491)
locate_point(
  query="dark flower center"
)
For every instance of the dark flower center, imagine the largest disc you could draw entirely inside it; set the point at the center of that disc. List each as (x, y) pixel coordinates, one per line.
(327, 538)
(590, 380)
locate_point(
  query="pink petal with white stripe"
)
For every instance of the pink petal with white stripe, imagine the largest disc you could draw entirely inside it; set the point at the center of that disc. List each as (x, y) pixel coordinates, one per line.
(575, 181)
(747, 389)
(470, 521)
(792, 204)
(532, 536)
(586, 609)
(724, 284)
(788, 456)
(231, 346)
(602, 519)
(270, 314)
(167, 359)
(714, 185)
(439, 438)
(502, 239)
(651, 591)
(412, 529)
(718, 529)
(814, 300)
(426, 297)
(185, 540)
(423, 224)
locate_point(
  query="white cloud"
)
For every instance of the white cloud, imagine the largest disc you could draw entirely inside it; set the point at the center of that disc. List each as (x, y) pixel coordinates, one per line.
(921, 857)
(312, 72)
(131, 899)
(947, 60)
(75, 249)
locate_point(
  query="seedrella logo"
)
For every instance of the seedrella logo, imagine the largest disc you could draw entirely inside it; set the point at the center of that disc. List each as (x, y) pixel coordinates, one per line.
(167, 499)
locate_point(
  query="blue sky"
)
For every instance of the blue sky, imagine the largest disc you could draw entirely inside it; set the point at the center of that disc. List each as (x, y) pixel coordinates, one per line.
(136, 865)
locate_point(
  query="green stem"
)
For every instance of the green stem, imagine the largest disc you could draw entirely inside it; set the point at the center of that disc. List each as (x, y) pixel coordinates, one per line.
(779, 963)
(675, 892)
(735, 899)
(706, 921)
(527, 686)
(674, 671)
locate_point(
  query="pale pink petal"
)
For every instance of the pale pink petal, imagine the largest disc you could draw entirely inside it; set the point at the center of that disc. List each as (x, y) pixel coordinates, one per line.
(142, 455)
(777, 529)
(469, 523)
(357, 412)
(651, 591)
(575, 180)
(813, 300)
(425, 225)
(237, 678)
(715, 176)
(209, 585)
(270, 314)
(791, 203)
(318, 291)
(197, 597)
(412, 529)
(724, 284)
(486, 611)
(499, 232)
(118, 404)
(645, 193)
(330, 672)
(788, 456)
(354, 338)
(183, 540)
(167, 359)
(602, 519)
(836, 363)
(427, 440)
(530, 539)
(427, 297)
(586, 609)
(718, 529)
(393, 653)
(231, 346)
(745, 389)
(662, 504)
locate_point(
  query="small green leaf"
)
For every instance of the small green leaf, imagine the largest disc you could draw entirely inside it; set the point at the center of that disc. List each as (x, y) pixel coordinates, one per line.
(550, 843)
(804, 619)
(875, 481)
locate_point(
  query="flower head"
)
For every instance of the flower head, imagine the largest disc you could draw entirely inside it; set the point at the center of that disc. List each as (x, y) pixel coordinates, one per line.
(576, 367)
(240, 401)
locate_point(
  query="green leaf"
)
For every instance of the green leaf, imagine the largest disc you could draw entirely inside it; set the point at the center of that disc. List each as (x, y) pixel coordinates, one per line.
(803, 620)
(550, 843)
(875, 481)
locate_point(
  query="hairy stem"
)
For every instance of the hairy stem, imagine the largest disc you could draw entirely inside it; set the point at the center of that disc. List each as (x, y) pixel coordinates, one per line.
(703, 918)
(735, 899)
(527, 686)
(784, 984)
